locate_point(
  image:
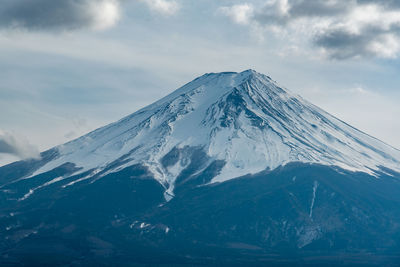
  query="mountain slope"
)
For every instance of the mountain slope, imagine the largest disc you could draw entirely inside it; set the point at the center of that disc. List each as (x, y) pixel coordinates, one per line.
(243, 119)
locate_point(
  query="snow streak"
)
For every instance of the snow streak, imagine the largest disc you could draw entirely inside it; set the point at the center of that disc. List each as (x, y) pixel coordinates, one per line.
(315, 187)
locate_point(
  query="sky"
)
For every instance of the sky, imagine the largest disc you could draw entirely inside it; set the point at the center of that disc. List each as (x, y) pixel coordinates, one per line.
(70, 66)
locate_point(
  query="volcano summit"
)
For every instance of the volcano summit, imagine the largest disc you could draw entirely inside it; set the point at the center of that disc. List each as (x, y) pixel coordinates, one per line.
(230, 168)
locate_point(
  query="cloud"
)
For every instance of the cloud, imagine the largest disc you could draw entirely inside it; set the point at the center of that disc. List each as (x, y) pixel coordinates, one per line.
(69, 15)
(17, 146)
(163, 7)
(51, 15)
(341, 29)
(240, 14)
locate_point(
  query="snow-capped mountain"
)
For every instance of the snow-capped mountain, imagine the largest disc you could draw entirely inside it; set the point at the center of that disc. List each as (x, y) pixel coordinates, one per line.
(229, 169)
(244, 119)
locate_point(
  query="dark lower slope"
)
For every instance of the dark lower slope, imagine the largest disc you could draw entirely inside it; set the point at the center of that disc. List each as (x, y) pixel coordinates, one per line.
(300, 213)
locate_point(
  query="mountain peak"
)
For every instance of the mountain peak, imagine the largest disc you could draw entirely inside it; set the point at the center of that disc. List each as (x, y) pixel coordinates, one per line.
(250, 72)
(254, 73)
(240, 76)
(228, 81)
(242, 122)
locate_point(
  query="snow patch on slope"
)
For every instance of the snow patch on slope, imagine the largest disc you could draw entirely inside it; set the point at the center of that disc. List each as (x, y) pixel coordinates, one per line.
(32, 191)
(315, 187)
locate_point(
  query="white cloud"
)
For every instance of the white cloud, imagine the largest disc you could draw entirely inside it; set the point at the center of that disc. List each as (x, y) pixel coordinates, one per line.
(105, 13)
(240, 14)
(17, 146)
(164, 7)
(341, 28)
(387, 46)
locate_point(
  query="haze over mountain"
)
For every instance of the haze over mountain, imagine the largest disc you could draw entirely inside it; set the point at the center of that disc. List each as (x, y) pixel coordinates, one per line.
(229, 167)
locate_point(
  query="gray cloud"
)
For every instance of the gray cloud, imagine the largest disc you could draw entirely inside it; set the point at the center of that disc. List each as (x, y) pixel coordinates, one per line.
(319, 8)
(69, 15)
(342, 44)
(342, 28)
(386, 3)
(282, 12)
(272, 12)
(55, 15)
(17, 146)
